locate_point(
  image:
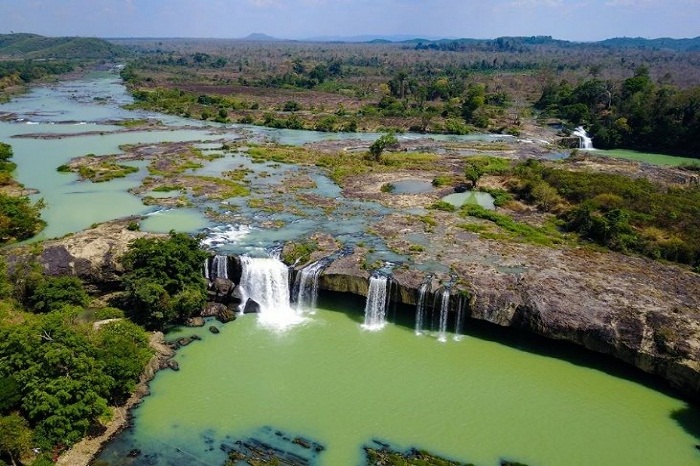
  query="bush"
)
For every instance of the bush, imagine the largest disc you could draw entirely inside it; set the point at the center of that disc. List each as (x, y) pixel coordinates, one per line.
(53, 293)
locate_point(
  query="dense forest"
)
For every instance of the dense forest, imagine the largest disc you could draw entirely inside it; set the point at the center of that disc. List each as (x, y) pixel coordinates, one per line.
(65, 357)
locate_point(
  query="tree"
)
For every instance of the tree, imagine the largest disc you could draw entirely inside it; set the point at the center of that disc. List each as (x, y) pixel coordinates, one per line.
(163, 279)
(123, 347)
(52, 293)
(5, 152)
(378, 146)
(15, 436)
(474, 99)
(19, 218)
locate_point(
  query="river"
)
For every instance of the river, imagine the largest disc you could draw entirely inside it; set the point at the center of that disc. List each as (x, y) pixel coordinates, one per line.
(478, 397)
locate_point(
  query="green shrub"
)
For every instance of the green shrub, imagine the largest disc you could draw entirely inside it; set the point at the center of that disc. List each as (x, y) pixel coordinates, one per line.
(53, 293)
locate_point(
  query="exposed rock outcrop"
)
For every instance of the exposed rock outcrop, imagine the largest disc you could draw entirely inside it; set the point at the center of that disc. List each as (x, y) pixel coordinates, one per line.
(640, 311)
(92, 255)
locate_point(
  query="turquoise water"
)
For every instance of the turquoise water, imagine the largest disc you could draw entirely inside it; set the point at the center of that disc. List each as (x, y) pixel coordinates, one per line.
(647, 157)
(480, 198)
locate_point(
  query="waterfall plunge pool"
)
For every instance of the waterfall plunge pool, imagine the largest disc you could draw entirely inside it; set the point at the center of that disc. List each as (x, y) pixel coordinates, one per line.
(476, 400)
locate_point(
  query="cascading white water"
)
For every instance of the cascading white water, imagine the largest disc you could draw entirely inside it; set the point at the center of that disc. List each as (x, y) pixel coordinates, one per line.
(420, 307)
(266, 281)
(444, 306)
(585, 142)
(306, 286)
(206, 268)
(460, 319)
(375, 307)
(219, 266)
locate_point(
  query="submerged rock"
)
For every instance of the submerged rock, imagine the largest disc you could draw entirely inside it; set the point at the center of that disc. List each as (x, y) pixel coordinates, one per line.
(213, 329)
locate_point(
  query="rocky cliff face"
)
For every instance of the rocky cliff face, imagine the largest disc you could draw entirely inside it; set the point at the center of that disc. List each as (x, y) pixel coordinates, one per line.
(640, 311)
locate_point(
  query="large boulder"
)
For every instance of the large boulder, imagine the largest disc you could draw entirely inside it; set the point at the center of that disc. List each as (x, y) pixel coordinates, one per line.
(92, 255)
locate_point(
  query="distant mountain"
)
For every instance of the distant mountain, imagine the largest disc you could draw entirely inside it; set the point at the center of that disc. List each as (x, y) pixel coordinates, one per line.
(661, 43)
(34, 46)
(260, 37)
(373, 38)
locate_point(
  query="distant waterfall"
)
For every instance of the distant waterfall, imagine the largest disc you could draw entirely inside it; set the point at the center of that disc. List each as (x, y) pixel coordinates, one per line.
(266, 281)
(444, 308)
(420, 305)
(306, 286)
(585, 142)
(375, 308)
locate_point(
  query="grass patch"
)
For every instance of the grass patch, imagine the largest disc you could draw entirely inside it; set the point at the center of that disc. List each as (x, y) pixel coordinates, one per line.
(298, 252)
(518, 231)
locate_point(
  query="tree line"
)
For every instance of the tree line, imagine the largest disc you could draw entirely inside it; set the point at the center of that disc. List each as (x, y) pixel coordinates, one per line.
(635, 113)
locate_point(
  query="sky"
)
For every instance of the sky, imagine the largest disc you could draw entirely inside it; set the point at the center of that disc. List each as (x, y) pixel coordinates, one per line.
(577, 20)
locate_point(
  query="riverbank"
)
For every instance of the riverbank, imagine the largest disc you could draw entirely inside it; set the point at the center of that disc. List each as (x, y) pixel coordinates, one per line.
(83, 452)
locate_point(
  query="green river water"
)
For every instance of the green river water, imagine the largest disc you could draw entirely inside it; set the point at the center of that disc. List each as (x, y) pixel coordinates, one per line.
(471, 398)
(476, 398)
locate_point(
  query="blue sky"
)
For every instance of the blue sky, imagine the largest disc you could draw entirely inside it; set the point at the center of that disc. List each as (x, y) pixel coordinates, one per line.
(580, 20)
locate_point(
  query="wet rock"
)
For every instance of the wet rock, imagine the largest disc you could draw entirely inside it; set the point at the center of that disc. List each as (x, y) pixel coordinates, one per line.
(195, 322)
(211, 309)
(225, 315)
(213, 329)
(184, 341)
(135, 453)
(222, 288)
(462, 188)
(251, 307)
(237, 296)
(173, 364)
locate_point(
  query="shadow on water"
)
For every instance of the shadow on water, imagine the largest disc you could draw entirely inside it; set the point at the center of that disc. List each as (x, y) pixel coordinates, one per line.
(404, 316)
(688, 418)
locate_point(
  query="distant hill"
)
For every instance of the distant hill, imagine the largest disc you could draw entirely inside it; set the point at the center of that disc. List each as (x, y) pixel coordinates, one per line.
(684, 45)
(260, 37)
(26, 46)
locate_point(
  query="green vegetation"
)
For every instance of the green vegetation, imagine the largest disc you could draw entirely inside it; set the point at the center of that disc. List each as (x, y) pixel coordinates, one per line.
(299, 252)
(388, 188)
(32, 46)
(624, 214)
(98, 169)
(377, 147)
(19, 217)
(225, 189)
(163, 280)
(636, 113)
(59, 373)
(514, 230)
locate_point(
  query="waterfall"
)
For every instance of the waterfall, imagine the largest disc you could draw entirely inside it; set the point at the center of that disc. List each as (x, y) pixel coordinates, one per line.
(306, 286)
(585, 142)
(375, 308)
(266, 281)
(460, 318)
(217, 269)
(420, 305)
(444, 307)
